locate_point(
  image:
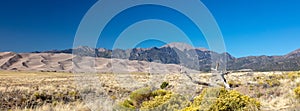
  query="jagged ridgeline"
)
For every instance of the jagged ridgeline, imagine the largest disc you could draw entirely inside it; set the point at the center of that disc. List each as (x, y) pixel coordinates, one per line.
(193, 58)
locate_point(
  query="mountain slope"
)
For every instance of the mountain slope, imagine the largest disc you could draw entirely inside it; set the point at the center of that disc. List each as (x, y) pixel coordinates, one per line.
(194, 58)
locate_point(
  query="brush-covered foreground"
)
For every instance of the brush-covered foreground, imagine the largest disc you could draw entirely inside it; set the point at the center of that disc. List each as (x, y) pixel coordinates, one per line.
(211, 99)
(48, 91)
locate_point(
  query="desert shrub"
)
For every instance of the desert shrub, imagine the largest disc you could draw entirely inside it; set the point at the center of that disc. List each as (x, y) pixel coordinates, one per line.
(113, 97)
(233, 83)
(168, 102)
(277, 76)
(261, 82)
(128, 104)
(273, 82)
(207, 97)
(234, 101)
(290, 75)
(140, 95)
(270, 81)
(160, 92)
(293, 75)
(136, 98)
(274, 92)
(297, 92)
(259, 94)
(159, 98)
(219, 99)
(146, 100)
(164, 85)
(251, 87)
(257, 78)
(32, 99)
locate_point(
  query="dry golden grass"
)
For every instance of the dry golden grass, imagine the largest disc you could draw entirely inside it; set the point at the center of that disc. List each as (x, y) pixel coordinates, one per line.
(57, 91)
(36, 90)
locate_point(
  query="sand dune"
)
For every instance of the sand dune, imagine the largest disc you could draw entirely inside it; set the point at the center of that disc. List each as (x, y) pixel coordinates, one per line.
(68, 63)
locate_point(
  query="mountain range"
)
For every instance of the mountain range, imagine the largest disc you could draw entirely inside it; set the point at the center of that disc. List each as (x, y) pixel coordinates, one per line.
(61, 62)
(194, 58)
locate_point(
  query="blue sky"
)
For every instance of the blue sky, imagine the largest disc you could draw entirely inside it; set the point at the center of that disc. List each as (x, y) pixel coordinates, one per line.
(249, 27)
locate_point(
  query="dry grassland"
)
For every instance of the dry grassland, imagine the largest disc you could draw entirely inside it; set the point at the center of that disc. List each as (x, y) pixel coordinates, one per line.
(57, 91)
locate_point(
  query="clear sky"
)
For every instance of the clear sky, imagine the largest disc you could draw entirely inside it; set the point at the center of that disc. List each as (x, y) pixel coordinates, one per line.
(249, 27)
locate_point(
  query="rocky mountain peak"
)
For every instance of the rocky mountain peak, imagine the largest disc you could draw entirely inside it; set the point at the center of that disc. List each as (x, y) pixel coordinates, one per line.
(179, 45)
(293, 54)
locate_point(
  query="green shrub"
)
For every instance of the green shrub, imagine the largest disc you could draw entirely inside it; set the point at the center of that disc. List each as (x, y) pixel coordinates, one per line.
(137, 97)
(160, 92)
(146, 100)
(128, 104)
(164, 85)
(140, 95)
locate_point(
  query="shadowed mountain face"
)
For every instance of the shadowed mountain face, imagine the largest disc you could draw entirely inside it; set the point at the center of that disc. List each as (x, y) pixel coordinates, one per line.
(193, 58)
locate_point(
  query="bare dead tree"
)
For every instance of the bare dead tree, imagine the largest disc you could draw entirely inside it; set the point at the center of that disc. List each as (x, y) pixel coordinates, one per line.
(198, 82)
(215, 72)
(221, 74)
(194, 81)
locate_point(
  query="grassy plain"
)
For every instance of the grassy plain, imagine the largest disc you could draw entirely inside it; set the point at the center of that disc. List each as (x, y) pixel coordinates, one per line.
(57, 91)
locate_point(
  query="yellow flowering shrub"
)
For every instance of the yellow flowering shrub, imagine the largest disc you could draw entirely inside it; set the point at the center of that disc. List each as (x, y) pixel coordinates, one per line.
(219, 99)
(293, 75)
(234, 101)
(273, 82)
(146, 100)
(210, 99)
(297, 92)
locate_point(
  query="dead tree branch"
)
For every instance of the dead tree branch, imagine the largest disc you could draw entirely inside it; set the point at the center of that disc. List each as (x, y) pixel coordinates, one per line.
(221, 74)
(198, 82)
